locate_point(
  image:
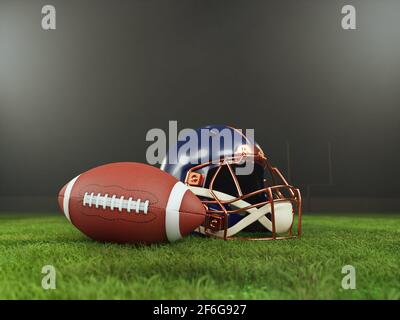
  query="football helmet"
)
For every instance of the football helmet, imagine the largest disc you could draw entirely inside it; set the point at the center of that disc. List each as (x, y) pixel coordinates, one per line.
(242, 192)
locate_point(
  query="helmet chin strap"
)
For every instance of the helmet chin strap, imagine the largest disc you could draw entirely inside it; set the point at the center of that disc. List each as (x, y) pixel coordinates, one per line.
(283, 213)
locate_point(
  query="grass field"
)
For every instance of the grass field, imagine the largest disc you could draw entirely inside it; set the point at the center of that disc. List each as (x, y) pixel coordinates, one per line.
(198, 268)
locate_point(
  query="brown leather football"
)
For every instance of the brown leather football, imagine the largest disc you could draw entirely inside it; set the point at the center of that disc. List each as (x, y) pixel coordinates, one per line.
(130, 202)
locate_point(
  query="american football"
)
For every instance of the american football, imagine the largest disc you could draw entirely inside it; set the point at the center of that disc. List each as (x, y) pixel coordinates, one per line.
(130, 203)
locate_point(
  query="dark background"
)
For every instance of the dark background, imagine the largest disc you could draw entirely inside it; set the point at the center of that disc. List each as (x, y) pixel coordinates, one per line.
(88, 92)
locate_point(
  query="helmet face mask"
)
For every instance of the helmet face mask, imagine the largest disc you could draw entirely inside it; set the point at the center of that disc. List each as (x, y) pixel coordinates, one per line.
(260, 202)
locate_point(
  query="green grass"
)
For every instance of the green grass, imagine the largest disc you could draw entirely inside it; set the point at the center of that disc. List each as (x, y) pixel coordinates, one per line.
(198, 268)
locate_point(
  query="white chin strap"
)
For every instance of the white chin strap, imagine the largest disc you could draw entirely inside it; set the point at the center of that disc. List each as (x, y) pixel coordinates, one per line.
(283, 213)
